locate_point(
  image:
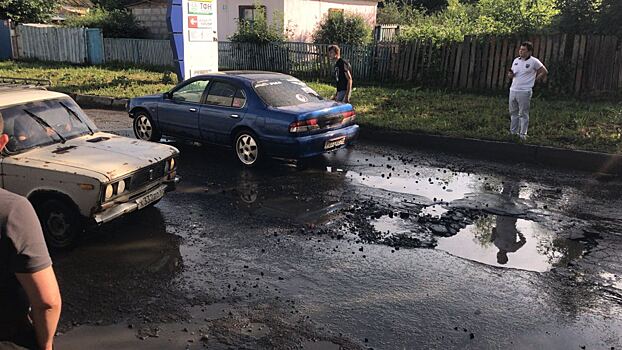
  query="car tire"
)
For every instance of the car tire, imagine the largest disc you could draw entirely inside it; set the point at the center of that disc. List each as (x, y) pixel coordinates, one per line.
(60, 223)
(247, 148)
(144, 127)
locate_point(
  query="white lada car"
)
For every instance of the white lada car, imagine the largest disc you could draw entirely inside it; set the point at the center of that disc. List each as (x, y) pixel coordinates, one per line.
(73, 174)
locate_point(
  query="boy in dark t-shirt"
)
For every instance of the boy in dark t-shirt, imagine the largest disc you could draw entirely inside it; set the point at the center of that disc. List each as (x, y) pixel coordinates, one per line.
(26, 276)
(343, 75)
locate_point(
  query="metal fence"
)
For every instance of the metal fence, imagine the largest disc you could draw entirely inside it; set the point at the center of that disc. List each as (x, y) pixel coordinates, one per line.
(139, 51)
(301, 59)
(49, 43)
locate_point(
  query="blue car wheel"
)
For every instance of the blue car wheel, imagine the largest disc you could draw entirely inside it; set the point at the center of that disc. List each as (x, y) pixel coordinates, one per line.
(145, 128)
(247, 148)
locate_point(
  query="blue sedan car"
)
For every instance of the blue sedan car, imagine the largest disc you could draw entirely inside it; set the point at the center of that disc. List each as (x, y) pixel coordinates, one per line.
(258, 114)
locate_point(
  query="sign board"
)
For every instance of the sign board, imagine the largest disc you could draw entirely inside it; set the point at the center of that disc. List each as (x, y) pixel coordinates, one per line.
(194, 36)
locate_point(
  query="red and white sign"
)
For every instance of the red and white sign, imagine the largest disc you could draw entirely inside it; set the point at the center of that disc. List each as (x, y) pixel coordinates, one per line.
(193, 22)
(200, 36)
(200, 22)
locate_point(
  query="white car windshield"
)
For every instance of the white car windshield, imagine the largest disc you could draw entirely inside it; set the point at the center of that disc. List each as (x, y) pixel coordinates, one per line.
(43, 123)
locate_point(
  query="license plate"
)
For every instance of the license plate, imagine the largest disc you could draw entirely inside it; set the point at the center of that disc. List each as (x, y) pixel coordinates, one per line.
(150, 198)
(334, 143)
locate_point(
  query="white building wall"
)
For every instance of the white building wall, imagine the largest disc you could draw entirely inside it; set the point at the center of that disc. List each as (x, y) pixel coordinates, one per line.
(303, 16)
(229, 11)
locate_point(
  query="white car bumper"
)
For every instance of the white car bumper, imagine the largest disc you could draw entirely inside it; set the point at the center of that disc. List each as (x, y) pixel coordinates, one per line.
(133, 205)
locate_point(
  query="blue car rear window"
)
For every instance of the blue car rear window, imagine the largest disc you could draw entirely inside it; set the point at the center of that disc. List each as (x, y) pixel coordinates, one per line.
(285, 92)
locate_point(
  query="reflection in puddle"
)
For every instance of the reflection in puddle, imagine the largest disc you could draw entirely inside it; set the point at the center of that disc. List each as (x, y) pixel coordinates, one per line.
(450, 187)
(510, 242)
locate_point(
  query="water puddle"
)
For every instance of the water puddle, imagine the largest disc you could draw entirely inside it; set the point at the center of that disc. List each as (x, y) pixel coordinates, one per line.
(611, 280)
(444, 187)
(397, 231)
(513, 243)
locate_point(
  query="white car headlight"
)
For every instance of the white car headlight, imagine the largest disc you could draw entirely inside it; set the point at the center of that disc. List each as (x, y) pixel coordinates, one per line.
(121, 187)
(109, 192)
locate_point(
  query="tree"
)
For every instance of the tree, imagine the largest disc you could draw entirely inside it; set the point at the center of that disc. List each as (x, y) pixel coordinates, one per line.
(28, 11)
(113, 4)
(577, 16)
(398, 12)
(342, 28)
(429, 6)
(610, 18)
(514, 16)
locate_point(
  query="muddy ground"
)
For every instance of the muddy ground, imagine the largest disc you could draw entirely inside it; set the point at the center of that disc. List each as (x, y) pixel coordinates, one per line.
(373, 247)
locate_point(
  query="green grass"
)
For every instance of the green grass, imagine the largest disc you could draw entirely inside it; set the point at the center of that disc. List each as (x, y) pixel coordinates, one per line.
(112, 80)
(566, 123)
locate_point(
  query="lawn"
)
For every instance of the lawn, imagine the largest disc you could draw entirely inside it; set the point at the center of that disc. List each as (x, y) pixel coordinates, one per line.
(560, 122)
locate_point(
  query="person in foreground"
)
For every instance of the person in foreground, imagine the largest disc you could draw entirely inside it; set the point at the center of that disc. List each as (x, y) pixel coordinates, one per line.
(30, 301)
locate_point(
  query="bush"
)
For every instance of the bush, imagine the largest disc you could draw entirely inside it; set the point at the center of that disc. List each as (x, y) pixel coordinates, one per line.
(113, 23)
(487, 17)
(343, 28)
(260, 30)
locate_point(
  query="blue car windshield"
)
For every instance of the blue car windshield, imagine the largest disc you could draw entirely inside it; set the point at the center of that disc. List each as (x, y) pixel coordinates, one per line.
(285, 92)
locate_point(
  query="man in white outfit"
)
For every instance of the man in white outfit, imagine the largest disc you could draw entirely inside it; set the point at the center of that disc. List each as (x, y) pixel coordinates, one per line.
(524, 73)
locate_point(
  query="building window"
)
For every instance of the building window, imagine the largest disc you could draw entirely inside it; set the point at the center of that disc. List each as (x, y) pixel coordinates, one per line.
(250, 13)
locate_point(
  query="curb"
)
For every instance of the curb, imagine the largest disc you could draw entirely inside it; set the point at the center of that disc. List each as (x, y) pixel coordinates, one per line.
(595, 162)
(91, 101)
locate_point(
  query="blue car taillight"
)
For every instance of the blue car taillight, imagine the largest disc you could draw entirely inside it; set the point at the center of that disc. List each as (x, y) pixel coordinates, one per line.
(348, 117)
(303, 126)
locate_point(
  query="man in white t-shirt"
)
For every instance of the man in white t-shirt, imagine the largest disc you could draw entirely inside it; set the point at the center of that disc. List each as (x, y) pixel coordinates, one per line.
(524, 73)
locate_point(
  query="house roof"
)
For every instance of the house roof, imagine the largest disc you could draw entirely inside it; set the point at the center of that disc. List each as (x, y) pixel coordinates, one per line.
(77, 3)
(148, 2)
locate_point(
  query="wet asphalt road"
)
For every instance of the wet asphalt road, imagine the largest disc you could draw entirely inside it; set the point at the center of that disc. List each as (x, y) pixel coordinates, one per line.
(374, 247)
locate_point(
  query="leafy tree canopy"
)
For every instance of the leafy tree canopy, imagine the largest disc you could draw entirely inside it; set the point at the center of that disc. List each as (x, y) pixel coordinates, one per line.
(28, 11)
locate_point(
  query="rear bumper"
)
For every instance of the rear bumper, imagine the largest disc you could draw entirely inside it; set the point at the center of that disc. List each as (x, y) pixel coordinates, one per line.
(311, 145)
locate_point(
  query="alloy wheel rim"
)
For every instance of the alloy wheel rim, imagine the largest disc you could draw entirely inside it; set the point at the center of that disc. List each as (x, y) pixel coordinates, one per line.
(144, 128)
(246, 149)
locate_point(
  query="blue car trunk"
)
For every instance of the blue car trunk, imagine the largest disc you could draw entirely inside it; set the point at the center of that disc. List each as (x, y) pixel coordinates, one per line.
(329, 115)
